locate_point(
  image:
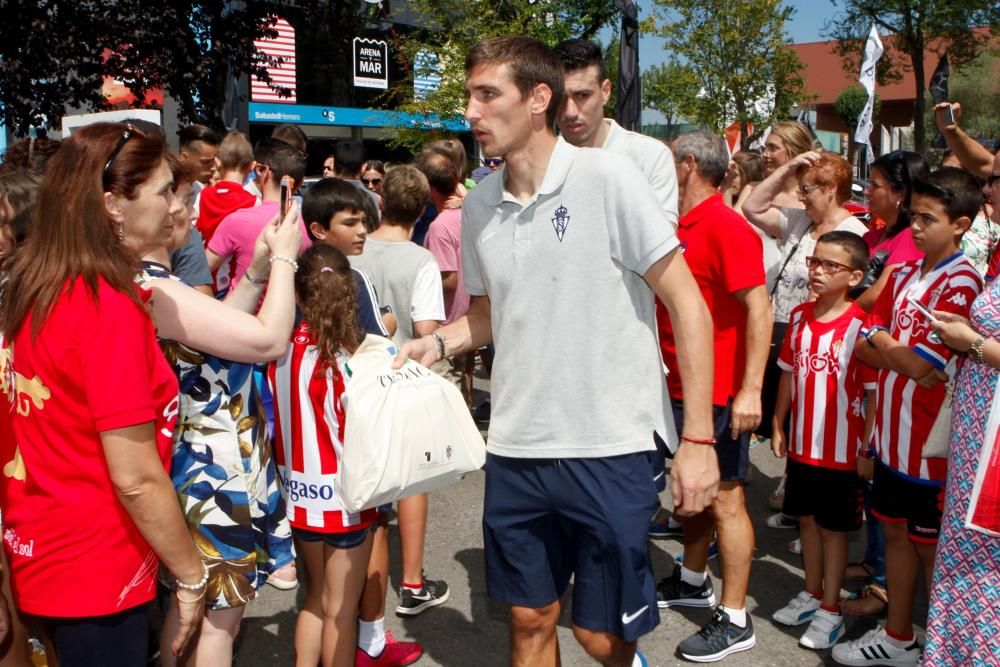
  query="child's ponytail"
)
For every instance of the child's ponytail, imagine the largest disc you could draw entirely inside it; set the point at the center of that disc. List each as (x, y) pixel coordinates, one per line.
(326, 291)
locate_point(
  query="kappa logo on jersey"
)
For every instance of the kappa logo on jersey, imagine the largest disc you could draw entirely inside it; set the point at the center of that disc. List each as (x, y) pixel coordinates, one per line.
(958, 299)
(806, 362)
(561, 221)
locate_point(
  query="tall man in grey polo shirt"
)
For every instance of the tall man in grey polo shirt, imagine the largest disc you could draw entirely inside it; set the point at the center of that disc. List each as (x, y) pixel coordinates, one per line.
(560, 252)
(582, 123)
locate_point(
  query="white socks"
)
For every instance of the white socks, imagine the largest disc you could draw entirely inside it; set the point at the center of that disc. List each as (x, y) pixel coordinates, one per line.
(736, 616)
(692, 578)
(371, 636)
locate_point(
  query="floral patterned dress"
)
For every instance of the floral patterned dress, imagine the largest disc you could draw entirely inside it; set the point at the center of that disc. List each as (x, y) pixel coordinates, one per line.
(224, 472)
(964, 620)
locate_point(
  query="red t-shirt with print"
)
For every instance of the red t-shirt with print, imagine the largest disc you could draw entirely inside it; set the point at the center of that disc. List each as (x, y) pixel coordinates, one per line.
(94, 366)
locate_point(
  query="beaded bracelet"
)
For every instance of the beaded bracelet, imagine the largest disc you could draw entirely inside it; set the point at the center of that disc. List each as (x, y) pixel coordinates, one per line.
(439, 339)
(195, 587)
(287, 260)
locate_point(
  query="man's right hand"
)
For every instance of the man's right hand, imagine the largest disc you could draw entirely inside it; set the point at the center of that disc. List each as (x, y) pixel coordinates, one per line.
(423, 350)
(694, 478)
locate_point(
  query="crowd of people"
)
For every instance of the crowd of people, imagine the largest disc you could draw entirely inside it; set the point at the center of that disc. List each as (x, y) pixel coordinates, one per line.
(177, 330)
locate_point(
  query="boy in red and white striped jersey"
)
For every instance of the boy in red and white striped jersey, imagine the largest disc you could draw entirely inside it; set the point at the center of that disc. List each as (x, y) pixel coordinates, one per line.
(823, 385)
(907, 490)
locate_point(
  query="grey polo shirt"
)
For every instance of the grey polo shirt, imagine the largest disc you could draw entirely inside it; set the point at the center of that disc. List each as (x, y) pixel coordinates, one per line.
(577, 371)
(654, 160)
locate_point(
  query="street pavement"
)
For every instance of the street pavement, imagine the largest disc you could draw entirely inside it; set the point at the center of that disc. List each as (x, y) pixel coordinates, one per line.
(471, 630)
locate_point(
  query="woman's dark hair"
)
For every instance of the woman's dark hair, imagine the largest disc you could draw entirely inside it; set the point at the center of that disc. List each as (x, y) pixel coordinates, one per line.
(374, 165)
(73, 234)
(325, 288)
(18, 190)
(30, 154)
(901, 169)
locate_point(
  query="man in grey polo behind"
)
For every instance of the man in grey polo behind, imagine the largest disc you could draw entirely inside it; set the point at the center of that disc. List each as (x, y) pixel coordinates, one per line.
(560, 252)
(582, 123)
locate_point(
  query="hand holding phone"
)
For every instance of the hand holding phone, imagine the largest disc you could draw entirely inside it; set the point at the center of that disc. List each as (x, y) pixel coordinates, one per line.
(286, 194)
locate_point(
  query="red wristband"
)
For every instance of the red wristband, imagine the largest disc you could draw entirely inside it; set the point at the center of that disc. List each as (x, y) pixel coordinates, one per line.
(696, 441)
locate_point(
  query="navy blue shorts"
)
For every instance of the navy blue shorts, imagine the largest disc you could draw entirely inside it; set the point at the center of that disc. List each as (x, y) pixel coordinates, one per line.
(734, 455)
(546, 520)
(345, 540)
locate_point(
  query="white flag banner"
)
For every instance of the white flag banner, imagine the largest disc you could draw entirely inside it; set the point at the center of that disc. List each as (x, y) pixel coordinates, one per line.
(873, 51)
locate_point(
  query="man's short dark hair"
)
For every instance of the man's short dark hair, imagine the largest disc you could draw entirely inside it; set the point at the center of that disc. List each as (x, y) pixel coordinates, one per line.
(327, 197)
(957, 190)
(577, 54)
(851, 243)
(348, 156)
(202, 133)
(281, 158)
(292, 135)
(439, 170)
(530, 62)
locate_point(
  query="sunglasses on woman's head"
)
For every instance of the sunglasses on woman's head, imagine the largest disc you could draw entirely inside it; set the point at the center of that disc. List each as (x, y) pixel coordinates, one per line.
(129, 131)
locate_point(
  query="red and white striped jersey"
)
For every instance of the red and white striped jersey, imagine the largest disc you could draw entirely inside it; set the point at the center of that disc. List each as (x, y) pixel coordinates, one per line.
(309, 436)
(827, 418)
(905, 411)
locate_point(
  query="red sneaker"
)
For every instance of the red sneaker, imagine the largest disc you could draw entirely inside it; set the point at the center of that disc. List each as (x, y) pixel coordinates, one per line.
(395, 654)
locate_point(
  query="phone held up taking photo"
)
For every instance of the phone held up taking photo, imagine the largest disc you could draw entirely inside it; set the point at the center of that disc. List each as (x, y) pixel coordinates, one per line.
(286, 195)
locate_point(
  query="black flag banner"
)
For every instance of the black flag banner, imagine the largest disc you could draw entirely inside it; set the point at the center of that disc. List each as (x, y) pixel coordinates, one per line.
(629, 106)
(938, 89)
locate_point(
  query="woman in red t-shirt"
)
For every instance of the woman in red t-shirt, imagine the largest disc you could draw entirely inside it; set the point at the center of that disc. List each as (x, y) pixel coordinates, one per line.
(89, 510)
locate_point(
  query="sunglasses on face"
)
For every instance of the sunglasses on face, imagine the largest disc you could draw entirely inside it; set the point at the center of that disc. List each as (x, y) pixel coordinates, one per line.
(493, 161)
(371, 181)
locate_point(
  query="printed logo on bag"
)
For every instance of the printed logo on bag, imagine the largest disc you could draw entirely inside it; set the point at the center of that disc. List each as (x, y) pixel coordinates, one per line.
(561, 221)
(408, 372)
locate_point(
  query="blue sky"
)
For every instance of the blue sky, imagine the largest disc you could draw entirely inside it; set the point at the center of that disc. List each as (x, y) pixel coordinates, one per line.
(805, 26)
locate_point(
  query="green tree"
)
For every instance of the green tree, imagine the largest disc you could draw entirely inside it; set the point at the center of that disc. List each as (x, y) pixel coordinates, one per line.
(849, 105)
(451, 27)
(909, 29)
(741, 55)
(672, 89)
(55, 54)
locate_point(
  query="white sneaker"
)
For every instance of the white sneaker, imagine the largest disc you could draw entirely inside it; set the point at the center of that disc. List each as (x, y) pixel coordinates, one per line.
(800, 610)
(874, 648)
(825, 630)
(782, 521)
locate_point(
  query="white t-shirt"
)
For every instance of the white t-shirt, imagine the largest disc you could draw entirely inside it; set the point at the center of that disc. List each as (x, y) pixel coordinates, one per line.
(577, 372)
(654, 160)
(796, 243)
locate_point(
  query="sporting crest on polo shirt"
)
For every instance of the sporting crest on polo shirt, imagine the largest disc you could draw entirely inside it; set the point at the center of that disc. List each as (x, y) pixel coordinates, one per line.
(561, 221)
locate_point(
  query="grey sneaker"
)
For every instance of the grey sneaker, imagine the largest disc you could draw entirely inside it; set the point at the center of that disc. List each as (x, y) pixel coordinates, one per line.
(672, 591)
(717, 639)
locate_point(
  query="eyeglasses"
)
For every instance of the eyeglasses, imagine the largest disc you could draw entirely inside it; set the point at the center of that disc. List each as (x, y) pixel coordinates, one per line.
(129, 131)
(806, 189)
(828, 265)
(372, 181)
(493, 161)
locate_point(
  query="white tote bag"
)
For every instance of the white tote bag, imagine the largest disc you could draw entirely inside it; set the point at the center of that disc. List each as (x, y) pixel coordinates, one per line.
(407, 430)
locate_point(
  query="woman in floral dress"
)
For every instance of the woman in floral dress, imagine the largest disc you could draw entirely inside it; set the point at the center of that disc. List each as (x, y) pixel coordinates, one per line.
(222, 464)
(963, 627)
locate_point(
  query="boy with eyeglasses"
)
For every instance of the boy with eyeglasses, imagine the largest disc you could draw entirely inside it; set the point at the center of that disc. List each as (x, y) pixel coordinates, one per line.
(822, 385)
(908, 484)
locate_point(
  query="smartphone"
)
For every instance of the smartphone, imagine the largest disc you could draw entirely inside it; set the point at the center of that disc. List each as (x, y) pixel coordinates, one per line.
(949, 115)
(286, 194)
(924, 310)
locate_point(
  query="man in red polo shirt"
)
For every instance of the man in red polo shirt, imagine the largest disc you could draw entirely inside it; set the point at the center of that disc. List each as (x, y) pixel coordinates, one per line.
(727, 260)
